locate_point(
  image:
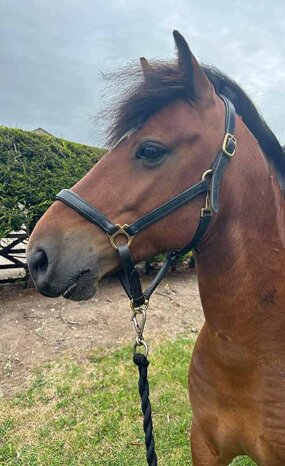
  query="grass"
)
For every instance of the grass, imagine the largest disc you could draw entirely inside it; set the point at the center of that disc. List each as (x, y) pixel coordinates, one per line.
(88, 413)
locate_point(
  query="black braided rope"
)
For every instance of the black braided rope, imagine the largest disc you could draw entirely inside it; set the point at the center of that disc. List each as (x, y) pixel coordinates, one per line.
(142, 362)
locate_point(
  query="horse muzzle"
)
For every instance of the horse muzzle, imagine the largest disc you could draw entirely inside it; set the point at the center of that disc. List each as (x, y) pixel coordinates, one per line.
(54, 276)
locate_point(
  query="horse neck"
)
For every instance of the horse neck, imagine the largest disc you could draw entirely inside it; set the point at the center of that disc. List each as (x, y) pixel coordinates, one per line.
(240, 266)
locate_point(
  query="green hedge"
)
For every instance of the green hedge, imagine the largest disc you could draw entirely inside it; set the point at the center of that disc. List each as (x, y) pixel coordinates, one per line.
(33, 168)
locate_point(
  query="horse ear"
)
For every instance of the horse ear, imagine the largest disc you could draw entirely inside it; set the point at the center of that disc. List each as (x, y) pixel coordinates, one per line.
(146, 67)
(199, 85)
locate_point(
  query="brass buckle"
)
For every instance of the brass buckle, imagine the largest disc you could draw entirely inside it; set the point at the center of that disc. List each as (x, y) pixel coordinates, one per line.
(229, 137)
(207, 210)
(120, 232)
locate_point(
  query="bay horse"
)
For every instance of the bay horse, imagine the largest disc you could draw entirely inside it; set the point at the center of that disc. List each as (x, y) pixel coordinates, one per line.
(166, 134)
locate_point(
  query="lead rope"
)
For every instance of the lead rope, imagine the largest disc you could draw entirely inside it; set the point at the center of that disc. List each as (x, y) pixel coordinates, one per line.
(142, 362)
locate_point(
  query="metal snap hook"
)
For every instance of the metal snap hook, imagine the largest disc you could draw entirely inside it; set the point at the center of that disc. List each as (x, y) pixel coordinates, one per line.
(139, 326)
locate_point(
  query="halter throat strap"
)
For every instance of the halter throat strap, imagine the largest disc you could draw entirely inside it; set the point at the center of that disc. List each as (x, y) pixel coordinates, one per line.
(209, 184)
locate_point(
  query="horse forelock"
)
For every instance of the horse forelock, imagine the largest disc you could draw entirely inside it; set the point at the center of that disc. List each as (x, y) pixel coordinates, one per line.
(144, 97)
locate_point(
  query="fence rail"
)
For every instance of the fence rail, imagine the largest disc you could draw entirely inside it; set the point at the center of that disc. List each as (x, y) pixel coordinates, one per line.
(13, 265)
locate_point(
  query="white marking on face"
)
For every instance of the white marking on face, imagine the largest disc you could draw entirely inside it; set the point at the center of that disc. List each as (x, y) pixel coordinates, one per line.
(127, 135)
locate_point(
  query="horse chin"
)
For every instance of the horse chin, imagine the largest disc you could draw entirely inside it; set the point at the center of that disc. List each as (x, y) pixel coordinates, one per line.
(82, 288)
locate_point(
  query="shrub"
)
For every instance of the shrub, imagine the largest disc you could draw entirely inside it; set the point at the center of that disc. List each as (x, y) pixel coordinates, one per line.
(33, 168)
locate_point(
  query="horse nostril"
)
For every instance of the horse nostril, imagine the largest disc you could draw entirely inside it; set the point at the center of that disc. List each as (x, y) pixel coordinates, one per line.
(38, 263)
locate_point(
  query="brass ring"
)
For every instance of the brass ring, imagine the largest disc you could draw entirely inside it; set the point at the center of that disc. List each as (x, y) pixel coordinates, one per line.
(120, 232)
(206, 173)
(142, 343)
(139, 309)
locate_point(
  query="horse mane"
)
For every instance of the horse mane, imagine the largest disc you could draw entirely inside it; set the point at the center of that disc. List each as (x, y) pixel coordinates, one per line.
(165, 84)
(273, 151)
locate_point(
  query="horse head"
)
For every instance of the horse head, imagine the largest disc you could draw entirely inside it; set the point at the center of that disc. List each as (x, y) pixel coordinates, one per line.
(166, 135)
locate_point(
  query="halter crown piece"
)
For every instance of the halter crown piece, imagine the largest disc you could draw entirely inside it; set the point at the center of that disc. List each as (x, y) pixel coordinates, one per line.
(209, 184)
(129, 277)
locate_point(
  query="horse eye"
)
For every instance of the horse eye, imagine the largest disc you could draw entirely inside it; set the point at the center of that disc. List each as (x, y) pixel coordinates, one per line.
(151, 151)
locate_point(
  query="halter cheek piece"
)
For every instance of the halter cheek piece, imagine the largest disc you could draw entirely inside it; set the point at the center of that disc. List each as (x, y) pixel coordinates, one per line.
(209, 184)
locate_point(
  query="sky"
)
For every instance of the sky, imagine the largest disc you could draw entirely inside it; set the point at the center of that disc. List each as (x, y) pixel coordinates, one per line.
(53, 53)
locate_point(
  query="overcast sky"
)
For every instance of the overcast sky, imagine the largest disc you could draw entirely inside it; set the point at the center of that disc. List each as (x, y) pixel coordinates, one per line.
(51, 54)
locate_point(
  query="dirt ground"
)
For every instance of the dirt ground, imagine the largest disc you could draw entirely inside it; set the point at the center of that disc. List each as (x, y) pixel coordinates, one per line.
(35, 329)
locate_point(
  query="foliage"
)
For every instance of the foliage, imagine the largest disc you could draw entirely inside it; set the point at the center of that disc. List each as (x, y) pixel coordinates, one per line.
(156, 261)
(88, 413)
(33, 168)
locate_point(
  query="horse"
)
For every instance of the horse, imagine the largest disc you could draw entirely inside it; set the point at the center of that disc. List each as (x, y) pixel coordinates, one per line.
(164, 137)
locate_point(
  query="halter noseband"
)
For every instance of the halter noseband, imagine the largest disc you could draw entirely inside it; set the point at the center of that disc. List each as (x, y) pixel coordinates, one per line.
(210, 184)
